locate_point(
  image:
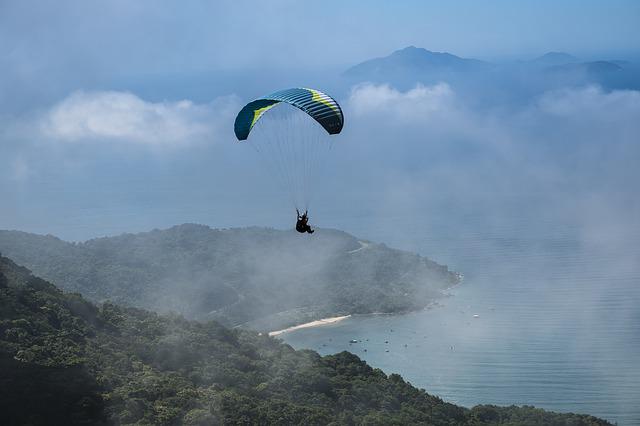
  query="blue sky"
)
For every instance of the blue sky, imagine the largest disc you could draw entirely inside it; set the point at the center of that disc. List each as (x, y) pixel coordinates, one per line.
(149, 36)
(48, 49)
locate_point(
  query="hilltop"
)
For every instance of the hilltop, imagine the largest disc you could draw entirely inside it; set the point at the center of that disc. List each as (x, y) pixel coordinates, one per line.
(265, 279)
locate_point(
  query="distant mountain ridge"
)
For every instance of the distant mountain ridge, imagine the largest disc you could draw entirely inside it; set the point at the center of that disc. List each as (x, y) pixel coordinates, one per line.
(412, 59)
(412, 65)
(593, 67)
(418, 59)
(262, 278)
(554, 58)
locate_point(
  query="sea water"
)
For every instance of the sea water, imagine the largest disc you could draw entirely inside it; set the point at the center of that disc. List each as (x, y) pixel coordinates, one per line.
(548, 313)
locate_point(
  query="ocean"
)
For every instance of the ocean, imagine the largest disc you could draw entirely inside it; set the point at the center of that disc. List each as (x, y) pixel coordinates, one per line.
(548, 313)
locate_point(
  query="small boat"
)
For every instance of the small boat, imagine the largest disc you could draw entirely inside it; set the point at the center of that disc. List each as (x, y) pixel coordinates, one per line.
(353, 341)
(476, 316)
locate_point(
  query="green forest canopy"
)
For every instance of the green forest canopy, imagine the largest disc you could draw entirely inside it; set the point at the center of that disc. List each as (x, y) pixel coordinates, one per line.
(68, 361)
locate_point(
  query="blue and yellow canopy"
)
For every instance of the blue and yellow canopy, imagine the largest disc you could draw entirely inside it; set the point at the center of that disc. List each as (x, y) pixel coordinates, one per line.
(320, 106)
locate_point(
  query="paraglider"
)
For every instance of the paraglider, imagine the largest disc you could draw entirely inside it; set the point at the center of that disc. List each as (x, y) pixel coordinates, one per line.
(302, 224)
(290, 129)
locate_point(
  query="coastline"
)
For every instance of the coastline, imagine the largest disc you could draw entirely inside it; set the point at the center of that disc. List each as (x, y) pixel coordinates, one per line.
(331, 320)
(316, 323)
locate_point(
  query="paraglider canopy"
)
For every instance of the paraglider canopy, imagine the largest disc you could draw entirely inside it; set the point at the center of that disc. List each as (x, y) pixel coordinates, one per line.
(290, 129)
(320, 106)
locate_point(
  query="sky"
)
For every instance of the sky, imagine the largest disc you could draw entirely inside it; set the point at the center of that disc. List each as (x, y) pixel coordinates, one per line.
(147, 36)
(90, 42)
(48, 49)
(116, 116)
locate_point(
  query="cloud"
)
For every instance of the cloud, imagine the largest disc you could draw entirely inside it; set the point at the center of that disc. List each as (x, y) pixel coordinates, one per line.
(567, 116)
(421, 117)
(124, 117)
(420, 101)
(575, 139)
(592, 103)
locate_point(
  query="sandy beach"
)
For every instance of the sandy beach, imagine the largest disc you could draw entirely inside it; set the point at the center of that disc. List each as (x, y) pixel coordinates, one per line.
(316, 323)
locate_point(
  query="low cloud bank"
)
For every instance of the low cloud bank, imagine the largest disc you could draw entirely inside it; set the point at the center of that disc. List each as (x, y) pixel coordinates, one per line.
(579, 130)
(124, 117)
(421, 104)
(418, 102)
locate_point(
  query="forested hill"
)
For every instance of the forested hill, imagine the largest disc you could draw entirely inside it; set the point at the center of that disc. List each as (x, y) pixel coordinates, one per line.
(64, 360)
(262, 278)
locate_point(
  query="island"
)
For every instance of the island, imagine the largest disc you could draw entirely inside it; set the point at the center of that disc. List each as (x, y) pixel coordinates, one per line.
(257, 278)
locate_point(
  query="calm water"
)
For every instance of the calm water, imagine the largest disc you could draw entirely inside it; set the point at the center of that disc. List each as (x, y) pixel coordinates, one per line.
(558, 313)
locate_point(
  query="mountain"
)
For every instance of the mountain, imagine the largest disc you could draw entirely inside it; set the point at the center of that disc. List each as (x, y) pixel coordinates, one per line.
(487, 83)
(64, 360)
(413, 63)
(553, 58)
(603, 73)
(417, 59)
(262, 278)
(621, 63)
(594, 68)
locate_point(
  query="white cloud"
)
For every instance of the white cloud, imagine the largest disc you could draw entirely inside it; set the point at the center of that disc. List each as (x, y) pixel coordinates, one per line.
(591, 101)
(420, 101)
(124, 117)
(424, 103)
(431, 114)
(576, 116)
(581, 137)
